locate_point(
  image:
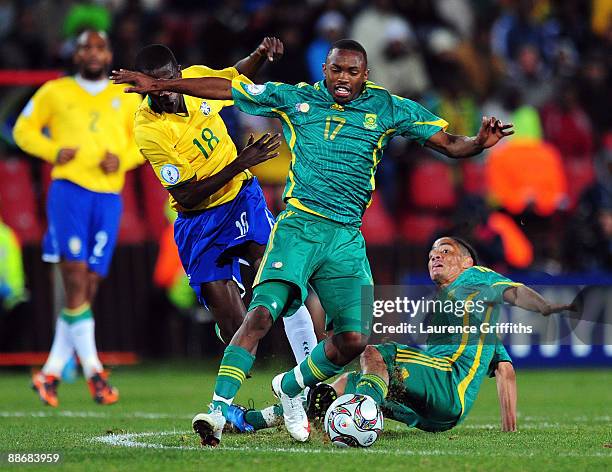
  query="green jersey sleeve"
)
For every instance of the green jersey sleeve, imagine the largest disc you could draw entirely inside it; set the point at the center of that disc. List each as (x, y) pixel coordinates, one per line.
(500, 355)
(490, 285)
(414, 121)
(260, 99)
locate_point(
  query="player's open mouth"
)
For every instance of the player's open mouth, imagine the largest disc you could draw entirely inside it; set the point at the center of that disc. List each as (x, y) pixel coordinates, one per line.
(342, 91)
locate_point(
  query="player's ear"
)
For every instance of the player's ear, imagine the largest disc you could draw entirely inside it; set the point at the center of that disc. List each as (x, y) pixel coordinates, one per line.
(466, 262)
(324, 67)
(367, 72)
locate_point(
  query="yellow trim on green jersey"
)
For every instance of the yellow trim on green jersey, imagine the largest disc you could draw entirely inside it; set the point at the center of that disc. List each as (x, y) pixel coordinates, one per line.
(511, 284)
(441, 361)
(441, 123)
(375, 158)
(465, 336)
(372, 85)
(465, 383)
(420, 361)
(291, 144)
(300, 206)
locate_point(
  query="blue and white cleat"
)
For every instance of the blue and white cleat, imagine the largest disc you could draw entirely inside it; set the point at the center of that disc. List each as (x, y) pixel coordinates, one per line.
(236, 419)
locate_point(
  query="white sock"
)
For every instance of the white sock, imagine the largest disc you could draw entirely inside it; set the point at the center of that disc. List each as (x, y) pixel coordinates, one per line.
(300, 333)
(270, 416)
(83, 337)
(61, 349)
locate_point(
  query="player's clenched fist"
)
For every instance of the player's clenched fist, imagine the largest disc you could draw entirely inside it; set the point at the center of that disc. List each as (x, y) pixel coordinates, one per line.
(65, 155)
(259, 151)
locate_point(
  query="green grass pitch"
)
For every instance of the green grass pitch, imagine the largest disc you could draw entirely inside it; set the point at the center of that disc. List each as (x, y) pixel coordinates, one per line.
(565, 422)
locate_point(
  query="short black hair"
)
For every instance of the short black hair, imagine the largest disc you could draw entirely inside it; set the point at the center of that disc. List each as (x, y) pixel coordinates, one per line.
(468, 247)
(348, 45)
(153, 57)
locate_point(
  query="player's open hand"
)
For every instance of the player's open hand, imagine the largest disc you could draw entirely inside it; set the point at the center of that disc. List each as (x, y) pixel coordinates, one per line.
(492, 131)
(142, 83)
(65, 155)
(271, 48)
(259, 151)
(110, 163)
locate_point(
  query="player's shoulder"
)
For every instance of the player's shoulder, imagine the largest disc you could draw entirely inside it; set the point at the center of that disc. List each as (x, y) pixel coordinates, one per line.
(197, 71)
(145, 117)
(59, 85)
(483, 275)
(378, 91)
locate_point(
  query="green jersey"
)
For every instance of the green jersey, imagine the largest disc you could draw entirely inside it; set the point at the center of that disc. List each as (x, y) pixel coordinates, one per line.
(335, 148)
(465, 334)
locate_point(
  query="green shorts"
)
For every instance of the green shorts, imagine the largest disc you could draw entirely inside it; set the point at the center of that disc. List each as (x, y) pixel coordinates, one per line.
(307, 249)
(422, 390)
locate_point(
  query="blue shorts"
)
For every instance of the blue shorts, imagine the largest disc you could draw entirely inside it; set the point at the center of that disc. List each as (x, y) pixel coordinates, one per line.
(207, 239)
(83, 225)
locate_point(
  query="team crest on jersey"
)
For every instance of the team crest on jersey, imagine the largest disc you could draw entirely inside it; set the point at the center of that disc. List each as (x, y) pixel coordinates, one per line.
(255, 89)
(302, 107)
(405, 374)
(205, 108)
(116, 103)
(369, 121)
(170, 173)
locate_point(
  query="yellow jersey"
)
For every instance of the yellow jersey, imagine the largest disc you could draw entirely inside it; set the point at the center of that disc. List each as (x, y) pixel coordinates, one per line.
(191, 145)
(64, 114)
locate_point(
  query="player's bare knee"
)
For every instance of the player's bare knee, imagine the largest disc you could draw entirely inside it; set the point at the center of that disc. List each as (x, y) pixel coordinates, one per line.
(76, 284)
(370, 358)
(258, 321)
(350, 344)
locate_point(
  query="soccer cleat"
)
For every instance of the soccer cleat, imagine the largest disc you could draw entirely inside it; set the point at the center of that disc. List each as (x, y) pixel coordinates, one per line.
(295, 417)
(209, 427)
(319, 400)
(46, 387)
(101, 391)
(236, 421)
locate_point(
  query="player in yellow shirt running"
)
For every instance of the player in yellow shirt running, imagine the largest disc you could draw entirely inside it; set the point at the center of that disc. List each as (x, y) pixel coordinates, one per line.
(222, 215)
(90, 144)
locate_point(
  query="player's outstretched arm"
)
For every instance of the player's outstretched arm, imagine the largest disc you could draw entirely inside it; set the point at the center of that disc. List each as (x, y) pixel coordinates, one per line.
(528, 299)
(269, 50)
(212, 88)
(491, 132)
(193, 192)
(505, 378)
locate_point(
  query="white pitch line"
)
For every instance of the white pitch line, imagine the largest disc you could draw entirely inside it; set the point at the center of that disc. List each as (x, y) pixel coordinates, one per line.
(533, 421)
(130, 440)
(91, 414)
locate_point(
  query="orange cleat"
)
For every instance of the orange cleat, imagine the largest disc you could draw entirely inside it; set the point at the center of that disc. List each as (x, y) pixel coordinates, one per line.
(46, 387)
(101, 391)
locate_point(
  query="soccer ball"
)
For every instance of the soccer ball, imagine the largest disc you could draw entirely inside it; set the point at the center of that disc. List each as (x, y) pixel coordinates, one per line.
(353, 420)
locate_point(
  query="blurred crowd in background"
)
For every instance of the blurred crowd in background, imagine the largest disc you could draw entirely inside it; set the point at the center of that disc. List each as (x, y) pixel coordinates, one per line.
(541, 202)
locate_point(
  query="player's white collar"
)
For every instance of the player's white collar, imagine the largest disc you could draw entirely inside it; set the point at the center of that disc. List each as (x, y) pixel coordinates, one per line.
(93, 87)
